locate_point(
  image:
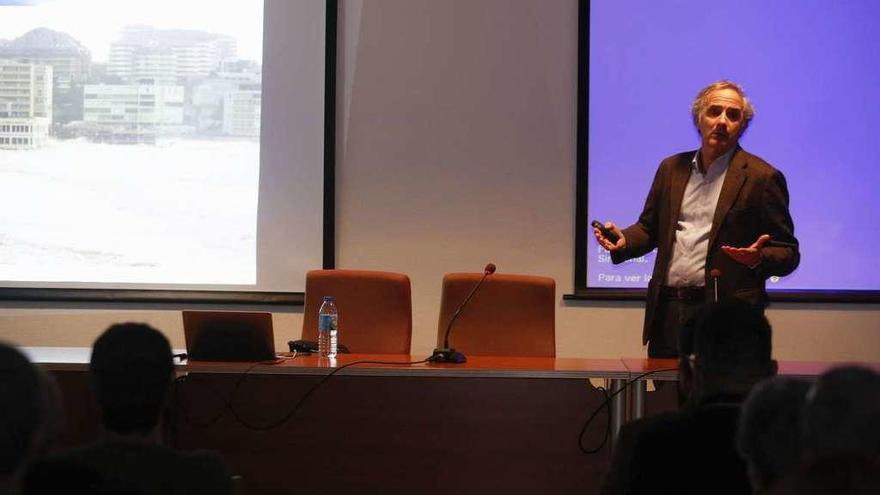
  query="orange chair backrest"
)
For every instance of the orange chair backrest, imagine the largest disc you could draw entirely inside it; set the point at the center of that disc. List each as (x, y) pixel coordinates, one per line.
(510, 315)
(375, 309)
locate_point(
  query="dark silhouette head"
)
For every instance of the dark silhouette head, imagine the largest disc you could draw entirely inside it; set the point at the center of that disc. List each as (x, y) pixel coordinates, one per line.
(131, 371)
(769, 435)
(842, 413)
(725, 349)
(28, 410)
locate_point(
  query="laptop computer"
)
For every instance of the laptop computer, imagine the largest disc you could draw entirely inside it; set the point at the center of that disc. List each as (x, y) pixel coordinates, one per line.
(228, 336)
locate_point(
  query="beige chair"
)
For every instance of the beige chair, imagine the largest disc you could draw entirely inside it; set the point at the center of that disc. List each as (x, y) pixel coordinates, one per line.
(375, 309)
(510, 315)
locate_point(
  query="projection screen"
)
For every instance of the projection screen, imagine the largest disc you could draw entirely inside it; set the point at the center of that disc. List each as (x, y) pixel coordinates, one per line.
(162, 150)
(810, 68)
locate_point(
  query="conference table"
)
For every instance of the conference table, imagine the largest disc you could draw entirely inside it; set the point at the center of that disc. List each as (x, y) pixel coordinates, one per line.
(396, 424)
(493, 424)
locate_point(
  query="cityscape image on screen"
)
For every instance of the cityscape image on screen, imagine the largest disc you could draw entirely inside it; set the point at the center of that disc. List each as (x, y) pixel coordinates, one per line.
(130, 141)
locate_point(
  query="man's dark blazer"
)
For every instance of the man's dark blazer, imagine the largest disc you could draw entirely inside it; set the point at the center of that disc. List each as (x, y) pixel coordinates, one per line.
(753, 201)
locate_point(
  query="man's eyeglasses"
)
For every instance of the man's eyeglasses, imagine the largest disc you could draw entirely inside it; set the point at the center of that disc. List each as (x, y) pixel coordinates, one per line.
(733, 114)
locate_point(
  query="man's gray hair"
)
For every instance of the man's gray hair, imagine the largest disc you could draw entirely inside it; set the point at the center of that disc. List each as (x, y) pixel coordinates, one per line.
(699, 104)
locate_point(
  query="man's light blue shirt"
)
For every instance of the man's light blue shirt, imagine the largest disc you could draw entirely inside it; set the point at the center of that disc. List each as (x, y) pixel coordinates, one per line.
(688, 265)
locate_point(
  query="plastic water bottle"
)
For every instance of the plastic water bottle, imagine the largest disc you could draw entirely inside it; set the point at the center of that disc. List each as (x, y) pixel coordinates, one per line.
(327, 328)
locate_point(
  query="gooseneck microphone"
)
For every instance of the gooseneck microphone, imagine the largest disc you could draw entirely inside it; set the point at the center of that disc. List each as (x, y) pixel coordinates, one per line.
(446, 354)
(715, 274)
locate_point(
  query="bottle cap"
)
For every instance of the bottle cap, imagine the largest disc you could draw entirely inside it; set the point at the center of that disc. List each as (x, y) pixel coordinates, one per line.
(329, 298)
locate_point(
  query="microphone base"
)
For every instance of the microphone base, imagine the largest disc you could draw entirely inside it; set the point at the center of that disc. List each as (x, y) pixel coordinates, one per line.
(447, 355)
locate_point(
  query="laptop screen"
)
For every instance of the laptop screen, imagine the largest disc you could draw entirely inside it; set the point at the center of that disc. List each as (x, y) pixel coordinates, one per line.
(228, 336)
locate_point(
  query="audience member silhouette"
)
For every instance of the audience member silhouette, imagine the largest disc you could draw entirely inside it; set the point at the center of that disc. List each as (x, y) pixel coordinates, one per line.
(131, 372)
(769, 436)
(724, 351)
(842, 413)
(29, 414)
(839, 436)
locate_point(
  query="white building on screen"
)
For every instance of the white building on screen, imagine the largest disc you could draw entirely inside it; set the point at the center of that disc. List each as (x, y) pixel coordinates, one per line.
(25, 104)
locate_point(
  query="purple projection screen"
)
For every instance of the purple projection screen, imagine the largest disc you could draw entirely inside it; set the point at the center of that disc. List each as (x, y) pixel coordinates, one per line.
(812, 70)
